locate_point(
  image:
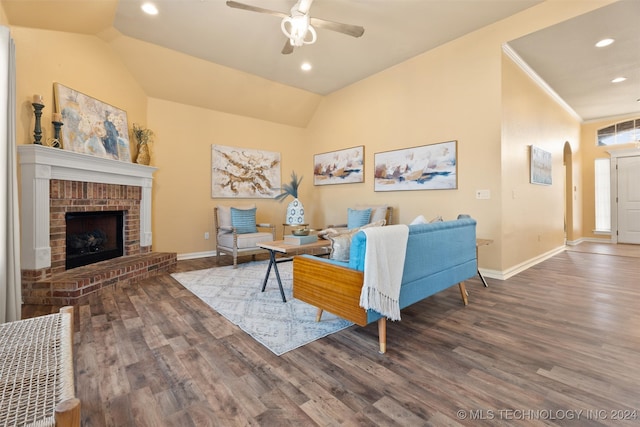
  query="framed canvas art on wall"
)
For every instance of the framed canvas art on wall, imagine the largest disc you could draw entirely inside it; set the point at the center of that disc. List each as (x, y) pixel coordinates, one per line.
(540, 166)
(339, 167)
(428, 167)
(244, 172)
(91, 126)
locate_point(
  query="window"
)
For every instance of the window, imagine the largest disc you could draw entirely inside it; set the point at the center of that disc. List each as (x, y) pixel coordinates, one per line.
(603, 195)
(621, 133)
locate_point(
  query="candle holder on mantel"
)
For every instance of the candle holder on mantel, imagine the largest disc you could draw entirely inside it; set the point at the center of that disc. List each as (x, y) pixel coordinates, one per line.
(56, 134)
(37, 131)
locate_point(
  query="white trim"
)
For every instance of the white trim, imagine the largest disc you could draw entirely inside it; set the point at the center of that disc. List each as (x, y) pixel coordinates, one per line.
(615, 154)
(538, 80)
(195, 255)
(506, 274)
(40, 164)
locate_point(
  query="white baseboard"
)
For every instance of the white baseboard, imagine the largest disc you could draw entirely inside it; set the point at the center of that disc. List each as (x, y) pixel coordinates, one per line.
(575, 242)
(510, 272)
(591, 240)
(195, 255)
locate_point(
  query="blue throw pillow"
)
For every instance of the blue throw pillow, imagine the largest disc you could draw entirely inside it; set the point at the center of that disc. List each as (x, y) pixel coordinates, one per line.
(244, 220)
(357, 218)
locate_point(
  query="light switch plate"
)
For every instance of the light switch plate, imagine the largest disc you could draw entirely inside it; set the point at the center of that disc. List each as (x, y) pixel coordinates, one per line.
(483, 194)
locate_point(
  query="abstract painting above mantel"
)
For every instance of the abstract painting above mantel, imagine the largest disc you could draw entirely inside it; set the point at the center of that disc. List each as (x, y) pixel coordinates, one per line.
(244, 172)
(91, 126)
(428, 167)
(339, 167)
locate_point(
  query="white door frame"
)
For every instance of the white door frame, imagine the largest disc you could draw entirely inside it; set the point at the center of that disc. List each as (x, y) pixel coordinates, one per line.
(615, 154)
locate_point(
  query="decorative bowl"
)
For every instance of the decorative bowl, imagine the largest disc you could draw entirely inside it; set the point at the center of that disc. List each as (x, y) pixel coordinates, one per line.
(301, 232)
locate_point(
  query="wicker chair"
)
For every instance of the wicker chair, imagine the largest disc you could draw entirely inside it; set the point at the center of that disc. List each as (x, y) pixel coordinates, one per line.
(235, 240)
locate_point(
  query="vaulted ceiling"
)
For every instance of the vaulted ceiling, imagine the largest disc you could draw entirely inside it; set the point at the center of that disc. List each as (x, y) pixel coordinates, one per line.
(562, 55)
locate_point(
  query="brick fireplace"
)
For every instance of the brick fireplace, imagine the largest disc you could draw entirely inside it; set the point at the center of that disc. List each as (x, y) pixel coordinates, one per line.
(56, 182)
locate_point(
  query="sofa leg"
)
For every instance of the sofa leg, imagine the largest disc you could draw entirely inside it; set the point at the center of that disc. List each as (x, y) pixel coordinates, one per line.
(318, 315)
(382, 334)
(463, 293)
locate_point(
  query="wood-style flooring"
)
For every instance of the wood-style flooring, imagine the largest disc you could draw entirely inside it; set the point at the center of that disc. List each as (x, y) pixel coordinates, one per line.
(558, 344)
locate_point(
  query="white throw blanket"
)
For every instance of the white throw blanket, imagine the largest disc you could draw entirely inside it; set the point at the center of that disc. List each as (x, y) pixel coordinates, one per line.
(383, 268)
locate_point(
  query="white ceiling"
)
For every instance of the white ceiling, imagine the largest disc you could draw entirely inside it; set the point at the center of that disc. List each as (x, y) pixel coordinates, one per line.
(395, 30)
(566, 59)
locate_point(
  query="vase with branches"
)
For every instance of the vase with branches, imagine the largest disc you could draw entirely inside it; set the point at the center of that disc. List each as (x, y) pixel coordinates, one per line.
(295, 209)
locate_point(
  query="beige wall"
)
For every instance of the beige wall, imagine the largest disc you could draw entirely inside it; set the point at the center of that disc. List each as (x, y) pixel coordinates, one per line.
(84, 63)
(3, 16)
(183, 207)
(590, 152)
(532, 215)
(454, 92)
(449, 93)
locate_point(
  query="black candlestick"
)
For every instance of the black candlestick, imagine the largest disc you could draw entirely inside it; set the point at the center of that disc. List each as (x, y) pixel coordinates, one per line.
(37, 132)
(56, 134)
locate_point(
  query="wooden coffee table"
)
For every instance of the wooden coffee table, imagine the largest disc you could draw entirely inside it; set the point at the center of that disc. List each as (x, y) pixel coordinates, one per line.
(280, 247)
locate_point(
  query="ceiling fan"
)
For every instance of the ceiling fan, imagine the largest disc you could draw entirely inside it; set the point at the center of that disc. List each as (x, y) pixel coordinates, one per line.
(298, 26)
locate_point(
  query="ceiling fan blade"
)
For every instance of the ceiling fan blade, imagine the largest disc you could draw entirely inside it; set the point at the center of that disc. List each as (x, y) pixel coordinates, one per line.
(351, 30)
(287, 48)
(236, 5)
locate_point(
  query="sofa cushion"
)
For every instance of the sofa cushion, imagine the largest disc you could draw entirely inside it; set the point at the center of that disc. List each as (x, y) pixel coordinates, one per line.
(341, 241)
(244, 220)
(378, 212)
(358, 217)
(420, 219)
(340, 246)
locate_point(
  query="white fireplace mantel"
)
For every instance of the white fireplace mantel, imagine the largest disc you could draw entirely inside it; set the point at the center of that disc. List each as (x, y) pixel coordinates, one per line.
(40, 164)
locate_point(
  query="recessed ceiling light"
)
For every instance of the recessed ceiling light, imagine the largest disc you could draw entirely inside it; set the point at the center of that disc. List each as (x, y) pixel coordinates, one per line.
(149, 8)
(618, 79)
(604, 42)
(305, 66)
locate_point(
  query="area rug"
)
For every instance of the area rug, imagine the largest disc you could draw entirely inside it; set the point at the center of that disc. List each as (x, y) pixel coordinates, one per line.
(235, 294)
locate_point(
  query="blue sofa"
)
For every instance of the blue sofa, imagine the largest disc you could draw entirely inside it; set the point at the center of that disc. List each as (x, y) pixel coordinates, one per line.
(439, 255)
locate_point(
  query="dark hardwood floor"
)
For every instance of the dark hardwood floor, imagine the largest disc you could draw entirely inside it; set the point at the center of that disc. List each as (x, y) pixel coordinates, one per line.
(558, 344)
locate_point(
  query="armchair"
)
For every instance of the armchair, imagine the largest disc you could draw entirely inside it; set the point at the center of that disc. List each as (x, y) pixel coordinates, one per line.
(237, 232)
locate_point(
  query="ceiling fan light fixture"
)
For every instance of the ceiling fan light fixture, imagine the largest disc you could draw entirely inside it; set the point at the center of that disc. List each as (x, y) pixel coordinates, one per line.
(296, 28)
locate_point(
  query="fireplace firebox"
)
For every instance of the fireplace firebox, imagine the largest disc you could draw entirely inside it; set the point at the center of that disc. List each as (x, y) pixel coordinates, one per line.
(93, 236)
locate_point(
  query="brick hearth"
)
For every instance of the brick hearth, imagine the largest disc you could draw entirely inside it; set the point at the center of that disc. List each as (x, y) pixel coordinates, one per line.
(73, 287)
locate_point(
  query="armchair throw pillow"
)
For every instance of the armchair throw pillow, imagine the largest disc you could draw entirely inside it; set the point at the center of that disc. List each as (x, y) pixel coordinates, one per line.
(358, 217)
(244, 220)
(224, 213)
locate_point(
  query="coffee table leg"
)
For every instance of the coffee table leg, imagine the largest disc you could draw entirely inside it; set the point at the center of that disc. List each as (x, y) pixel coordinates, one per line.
(273, 263)
(272, 259)
(275, 268)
